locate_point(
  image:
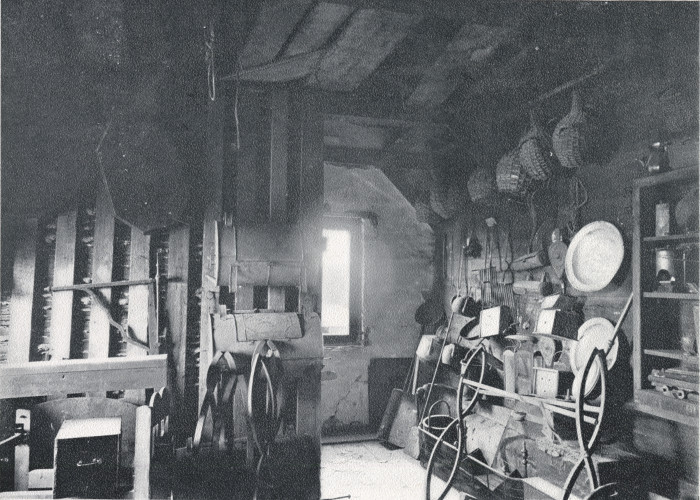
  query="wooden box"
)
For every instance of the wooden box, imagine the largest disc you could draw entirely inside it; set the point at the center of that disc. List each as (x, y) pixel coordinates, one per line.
(494, 321)
(86, 458)
(550, 383)
(559, 323)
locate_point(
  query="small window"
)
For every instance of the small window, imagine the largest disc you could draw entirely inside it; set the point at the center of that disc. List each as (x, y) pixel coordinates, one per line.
(341, 281)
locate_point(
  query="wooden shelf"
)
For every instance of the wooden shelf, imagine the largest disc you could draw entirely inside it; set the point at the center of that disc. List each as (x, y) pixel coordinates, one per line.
(671, 238)
(670, 295)
(657, 404)
(679, 175)
(670, 353)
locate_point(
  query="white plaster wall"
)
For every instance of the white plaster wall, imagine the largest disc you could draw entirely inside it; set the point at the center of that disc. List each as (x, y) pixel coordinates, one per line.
(397, 267)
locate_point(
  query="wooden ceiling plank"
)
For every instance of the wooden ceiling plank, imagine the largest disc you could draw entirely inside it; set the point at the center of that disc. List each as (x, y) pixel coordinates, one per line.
(369, 38)
(490, 11)
(469, 49)
(275, 23)
(318, 26)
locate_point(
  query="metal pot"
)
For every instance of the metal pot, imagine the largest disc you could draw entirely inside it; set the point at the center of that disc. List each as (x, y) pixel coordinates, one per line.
(664, 261)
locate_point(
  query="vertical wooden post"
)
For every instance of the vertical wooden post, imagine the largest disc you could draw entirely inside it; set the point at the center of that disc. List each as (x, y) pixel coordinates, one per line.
(142, 453)
(22, 417)
(311, 190)
(211, 191)
(176, 306)
(139, 268)
(279, 151)
(63, 274)
(311, 211)
(637, 285)
(103, 246)
(22, 293)
(138, 295)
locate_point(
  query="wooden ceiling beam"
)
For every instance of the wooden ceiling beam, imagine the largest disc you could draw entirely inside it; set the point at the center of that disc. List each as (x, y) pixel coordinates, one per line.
(275, 23)
(324, 19)
(489, 11)
(369, 37)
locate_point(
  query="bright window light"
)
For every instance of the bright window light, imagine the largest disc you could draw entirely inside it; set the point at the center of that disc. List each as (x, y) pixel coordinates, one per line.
(335, 288)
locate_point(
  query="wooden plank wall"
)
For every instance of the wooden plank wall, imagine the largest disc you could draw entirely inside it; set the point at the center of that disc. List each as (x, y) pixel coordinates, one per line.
(22, 293)
(64, 274)
(176, 306)
(98, 346)
(25, 299)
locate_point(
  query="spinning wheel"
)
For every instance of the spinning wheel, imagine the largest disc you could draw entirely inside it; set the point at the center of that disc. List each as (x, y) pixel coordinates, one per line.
(215, 424)
(588, 443)
(265, 407)
(467, 396)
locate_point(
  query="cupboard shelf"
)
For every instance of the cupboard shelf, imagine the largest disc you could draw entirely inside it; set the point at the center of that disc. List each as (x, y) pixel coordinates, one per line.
(648, 191)
(670, 295)
(670, 353)
(655, 403)
(671, 238)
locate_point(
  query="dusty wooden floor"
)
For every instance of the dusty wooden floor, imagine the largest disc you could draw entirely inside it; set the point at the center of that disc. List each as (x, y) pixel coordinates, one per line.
(368, 471)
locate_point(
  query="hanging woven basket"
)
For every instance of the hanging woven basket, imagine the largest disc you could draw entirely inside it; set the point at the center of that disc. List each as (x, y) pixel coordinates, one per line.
(511, 177)
(481, 184)
(535, 152)
(448, 201)
(569, 140)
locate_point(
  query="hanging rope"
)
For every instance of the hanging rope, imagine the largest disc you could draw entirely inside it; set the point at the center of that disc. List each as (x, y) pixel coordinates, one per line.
(209, 58)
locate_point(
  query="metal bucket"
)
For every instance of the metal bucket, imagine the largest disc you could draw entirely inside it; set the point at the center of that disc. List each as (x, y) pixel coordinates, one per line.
(435, 424)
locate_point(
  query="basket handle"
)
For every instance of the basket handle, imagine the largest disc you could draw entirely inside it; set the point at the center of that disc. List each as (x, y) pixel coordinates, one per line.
(436, 403)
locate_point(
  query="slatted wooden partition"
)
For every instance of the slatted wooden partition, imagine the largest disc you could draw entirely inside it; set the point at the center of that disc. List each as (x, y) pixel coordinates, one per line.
(26, 299)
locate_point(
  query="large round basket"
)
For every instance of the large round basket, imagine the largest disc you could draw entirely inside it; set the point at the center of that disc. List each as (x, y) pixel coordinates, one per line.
(570, 137)
(535, 153)
(448, 201)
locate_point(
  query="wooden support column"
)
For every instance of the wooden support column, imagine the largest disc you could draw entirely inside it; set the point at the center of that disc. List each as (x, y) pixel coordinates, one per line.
(211, 191)
(103, 247)
(138, 295)
(311, 212)
(176, 306)
(63, 274)
(250, 167)
(311, 190)
(138, 300)
(279, 151)
(22, 293)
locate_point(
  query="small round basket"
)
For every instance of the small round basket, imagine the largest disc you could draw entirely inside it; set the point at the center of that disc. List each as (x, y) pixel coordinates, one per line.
(535, 153)
(448, 201)
(511, 177)
(570, 137)
(481, 184)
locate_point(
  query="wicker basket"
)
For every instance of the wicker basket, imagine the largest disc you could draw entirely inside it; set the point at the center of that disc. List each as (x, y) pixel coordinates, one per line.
(481, 184)
(448, 201)
(535, 153)
(569, 140)
(511, 177)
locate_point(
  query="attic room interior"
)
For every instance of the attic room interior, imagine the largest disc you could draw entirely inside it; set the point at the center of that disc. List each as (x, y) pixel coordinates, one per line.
(362, 249)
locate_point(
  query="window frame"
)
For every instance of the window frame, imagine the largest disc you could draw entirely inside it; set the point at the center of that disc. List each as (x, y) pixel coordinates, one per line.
(354, 226)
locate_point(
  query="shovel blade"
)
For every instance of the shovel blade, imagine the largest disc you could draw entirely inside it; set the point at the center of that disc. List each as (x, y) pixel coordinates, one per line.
(405, 418)
(389, 414)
